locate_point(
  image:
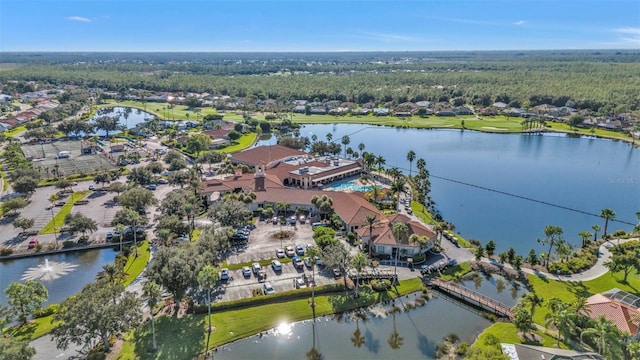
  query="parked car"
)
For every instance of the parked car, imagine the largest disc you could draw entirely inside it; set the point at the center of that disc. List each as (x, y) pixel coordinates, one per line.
(280, 253)
(256, 267)
(300, 283)
(276, 265)
(163, 181)
(224, 274)
(299, 250)
(246, 271)
(109, 236)
(92, 187)
(151, 187)
(274, 220)
(268, 289)
(262, 276)
(290, 251)
(297, 262)
(32, 243)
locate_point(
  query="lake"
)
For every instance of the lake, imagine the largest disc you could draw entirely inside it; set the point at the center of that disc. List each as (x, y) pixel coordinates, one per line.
(129, 117)
(421, 329)
(71, 279)
(586, 174)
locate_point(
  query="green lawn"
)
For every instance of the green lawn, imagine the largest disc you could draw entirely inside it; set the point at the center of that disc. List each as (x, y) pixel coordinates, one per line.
(135, 265)
(183, 338)
(162, 111)
(58, 221)
(245, 141)
(569, 291)
(15, 130)
(5, 181)
(506, 333)
(33, 330)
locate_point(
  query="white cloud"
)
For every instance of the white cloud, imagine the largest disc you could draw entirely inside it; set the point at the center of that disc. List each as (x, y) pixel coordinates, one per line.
(79, 18)
(519, 22)
(628, 34)
(388, 37)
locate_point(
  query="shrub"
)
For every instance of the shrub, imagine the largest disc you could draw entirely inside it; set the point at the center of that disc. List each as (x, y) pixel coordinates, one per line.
(6, 251)
(81, 202)
(381, 285)
(39, 247)
(68, 244)
(418, 258)
(49, 310)
(462, 349)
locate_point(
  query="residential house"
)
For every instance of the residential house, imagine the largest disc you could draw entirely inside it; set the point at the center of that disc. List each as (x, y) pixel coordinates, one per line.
(462, 110)
(381, 111)
(5, 98)
(500, 105)
(620, 307)
(445, 112)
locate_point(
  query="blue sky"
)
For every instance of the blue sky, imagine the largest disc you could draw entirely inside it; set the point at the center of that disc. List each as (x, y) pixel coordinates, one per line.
(305, 25)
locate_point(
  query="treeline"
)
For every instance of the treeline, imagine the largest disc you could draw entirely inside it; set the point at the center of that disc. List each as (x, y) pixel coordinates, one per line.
(588, 84)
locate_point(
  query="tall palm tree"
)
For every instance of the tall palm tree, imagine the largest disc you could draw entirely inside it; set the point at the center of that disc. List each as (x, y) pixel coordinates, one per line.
(111, 272)
(345, 141)
(323, 203)
(313, 253)
(421, 164)
(359, 262)
(375, 192)
(399, 231)
(329, 137)
(153, 293)
(411, 155)
(398, 187)
(208, 278)
(606, 335)
(371, 221)
(361, 147)
(380, 161)
(607, 214)
(595, 228)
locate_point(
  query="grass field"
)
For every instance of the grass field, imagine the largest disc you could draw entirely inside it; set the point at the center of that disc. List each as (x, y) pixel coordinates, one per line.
(185, 337)
(162, 111)
(58, 221)
(245, 141)
(506, 333)
(15, 130)
(135, 265)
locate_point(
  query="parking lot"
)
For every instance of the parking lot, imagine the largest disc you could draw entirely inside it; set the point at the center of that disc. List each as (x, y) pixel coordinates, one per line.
(262, 245)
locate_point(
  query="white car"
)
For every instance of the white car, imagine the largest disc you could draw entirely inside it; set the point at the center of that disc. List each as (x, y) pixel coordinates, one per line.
(246, 271)
(256, 268)
(268, 289)
(224, 274)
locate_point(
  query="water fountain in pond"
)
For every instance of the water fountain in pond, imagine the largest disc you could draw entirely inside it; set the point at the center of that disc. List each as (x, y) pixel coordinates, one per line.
(48, 271)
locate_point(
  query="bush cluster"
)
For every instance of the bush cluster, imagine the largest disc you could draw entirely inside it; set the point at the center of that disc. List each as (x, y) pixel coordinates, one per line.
(381, 284)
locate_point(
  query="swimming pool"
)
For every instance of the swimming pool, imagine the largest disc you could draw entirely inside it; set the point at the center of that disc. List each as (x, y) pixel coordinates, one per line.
(349, 186)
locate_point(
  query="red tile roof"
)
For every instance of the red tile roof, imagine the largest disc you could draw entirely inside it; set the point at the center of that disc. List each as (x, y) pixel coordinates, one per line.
(385, 236)
(618, 313)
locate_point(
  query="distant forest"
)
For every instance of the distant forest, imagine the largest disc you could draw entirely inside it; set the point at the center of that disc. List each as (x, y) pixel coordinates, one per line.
(603, 81)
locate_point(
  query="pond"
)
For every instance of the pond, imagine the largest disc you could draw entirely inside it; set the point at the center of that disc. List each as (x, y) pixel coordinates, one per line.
(129, 117)
(421, 329)
(584, 174)
(62, 274)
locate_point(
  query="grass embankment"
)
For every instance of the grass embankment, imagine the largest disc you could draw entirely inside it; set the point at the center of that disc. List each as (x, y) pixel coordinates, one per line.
(16, 130)
(135, 265)
(245, 141)
(5, 181)
(58, 220)
(507, 333)
(186, 337)
(44, 325)
(421, 211)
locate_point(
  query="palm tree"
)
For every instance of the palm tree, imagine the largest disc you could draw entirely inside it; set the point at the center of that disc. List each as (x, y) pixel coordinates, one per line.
(323, 203)
(345, 141)
(606, 335)
(358, 262)
(208, 278)
(595, 228)
(329, 137)
(399, 231)
(380, 161)
(313, 353)
(553, 236)
(411, 155)
(371, 221)
(607, 214)
(375, 192)
(313, 253)
(361, 147)
(152, 291)
(421, 164)
(111, 272)
(395, 341)
(585, 235)
(532, 299)
(397, 187)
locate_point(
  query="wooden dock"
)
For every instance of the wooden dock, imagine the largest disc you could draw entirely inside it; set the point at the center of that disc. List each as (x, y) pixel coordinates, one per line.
(472, 297)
